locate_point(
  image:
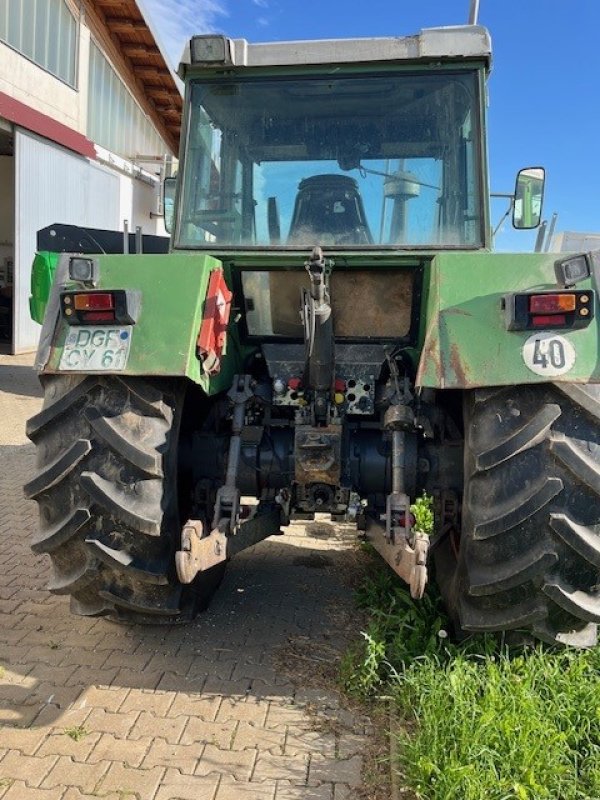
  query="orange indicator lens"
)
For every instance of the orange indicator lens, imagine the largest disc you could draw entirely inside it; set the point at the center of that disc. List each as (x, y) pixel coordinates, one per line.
(96, 301)
(551, 303)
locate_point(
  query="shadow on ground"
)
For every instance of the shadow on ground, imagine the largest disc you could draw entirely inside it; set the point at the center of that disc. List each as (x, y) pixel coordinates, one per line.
(275, 595)
(246, 693)
(19, 380)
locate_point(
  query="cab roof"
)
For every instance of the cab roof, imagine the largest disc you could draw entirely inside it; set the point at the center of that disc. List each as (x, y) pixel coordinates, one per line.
(455, 43)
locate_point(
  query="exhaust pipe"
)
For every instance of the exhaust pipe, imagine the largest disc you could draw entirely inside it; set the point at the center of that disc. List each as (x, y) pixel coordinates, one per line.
(474, 12)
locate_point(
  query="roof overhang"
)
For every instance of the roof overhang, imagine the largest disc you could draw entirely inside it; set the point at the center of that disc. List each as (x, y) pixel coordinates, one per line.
(131, 31)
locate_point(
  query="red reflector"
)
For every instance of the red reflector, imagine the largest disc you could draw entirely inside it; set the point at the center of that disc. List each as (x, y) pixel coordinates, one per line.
(98, 316)
(548, 320)
(95, 301)
(551, 303)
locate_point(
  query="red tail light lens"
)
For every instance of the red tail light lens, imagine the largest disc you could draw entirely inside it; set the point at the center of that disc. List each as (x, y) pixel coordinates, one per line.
(93, 301)
(548, 320)
(106, 307)
(552, 303)
(98, 316)
(555, 309)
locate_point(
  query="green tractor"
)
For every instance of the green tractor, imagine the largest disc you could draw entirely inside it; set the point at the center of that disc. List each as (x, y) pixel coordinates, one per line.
(330, 333)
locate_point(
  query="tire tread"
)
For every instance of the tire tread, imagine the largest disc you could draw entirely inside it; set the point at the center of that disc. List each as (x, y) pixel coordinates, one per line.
(529, 555)
(107, 493)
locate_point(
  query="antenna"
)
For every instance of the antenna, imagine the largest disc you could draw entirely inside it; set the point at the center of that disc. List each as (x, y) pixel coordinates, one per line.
(474, 12)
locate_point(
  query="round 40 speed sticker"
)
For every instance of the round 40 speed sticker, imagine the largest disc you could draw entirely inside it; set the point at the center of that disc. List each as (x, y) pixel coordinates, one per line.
(548, 354)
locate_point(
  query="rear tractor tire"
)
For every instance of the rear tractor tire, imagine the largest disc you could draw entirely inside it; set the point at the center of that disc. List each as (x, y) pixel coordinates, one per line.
(107, 490)
(529, 553)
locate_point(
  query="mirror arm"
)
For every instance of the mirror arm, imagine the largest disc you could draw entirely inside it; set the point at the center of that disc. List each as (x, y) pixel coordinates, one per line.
(506, 214)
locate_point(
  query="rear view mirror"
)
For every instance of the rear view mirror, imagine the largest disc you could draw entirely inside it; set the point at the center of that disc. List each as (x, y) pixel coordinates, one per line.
(169, 186)
(529, 197)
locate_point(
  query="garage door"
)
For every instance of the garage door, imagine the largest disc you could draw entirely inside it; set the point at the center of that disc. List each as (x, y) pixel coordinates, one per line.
(53, 185)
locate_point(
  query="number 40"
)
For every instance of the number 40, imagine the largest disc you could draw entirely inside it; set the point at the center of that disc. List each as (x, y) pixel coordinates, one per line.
(552, 354)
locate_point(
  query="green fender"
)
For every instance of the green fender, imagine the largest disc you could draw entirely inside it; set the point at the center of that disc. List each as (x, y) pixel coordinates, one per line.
(465, 341)
(173, 290)
(42, 276)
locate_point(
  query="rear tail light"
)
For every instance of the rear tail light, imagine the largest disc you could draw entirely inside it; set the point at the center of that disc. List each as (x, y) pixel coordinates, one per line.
(120, 306)
(98, 316)
(569, 310)
(552, 303)
(548, 320)
(94, 301)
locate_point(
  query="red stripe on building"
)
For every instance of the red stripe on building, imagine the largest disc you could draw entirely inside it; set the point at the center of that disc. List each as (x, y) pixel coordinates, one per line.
(26, 117)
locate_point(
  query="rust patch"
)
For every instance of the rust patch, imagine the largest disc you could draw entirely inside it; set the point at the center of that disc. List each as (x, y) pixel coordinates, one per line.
(458, 311)
(458, 367)
(430, 353)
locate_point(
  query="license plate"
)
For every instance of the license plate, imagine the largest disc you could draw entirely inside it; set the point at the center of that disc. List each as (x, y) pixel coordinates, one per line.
(88, 349)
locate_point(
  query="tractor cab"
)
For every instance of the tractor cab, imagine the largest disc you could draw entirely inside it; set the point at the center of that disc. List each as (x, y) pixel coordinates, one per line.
(384, 150)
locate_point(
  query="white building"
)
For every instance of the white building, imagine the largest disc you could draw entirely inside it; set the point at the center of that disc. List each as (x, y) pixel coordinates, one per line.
(89, 114)
(572, 242)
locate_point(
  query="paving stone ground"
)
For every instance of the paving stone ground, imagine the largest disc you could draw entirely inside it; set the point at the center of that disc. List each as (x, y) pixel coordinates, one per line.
(198, 712)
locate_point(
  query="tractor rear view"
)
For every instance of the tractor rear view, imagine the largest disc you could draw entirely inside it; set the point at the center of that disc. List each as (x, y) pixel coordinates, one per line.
(330, 334)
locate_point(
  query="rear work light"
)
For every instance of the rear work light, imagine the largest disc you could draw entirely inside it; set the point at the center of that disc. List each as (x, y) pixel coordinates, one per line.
(83, 270)
(550, 310)
(120, 306)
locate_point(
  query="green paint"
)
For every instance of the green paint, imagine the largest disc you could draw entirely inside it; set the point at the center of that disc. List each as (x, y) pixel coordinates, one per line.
(42, 275)
(173, 289)
(466, 341)
(462, 340)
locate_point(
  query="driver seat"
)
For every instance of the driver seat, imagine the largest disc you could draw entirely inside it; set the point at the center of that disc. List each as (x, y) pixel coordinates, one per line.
(329, 211)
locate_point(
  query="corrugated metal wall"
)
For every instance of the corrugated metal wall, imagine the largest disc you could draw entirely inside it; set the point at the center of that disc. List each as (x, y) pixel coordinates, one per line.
(53, 185)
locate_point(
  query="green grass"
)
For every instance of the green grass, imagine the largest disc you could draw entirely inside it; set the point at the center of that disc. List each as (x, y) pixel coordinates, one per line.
(478, 722)
(501, 727)
(77, 732)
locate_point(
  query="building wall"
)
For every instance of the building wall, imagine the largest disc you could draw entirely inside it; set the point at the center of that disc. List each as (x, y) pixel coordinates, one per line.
(26, 81)
(572, 242)
(138, 204)
(38, 89)
(117, 60)
(32, 85)
(53, 185)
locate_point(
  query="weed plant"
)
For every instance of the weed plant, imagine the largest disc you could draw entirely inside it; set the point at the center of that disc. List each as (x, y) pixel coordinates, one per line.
(479, 721)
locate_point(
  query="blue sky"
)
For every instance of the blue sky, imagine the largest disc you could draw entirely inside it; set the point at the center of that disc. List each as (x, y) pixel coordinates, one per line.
(544, 88)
